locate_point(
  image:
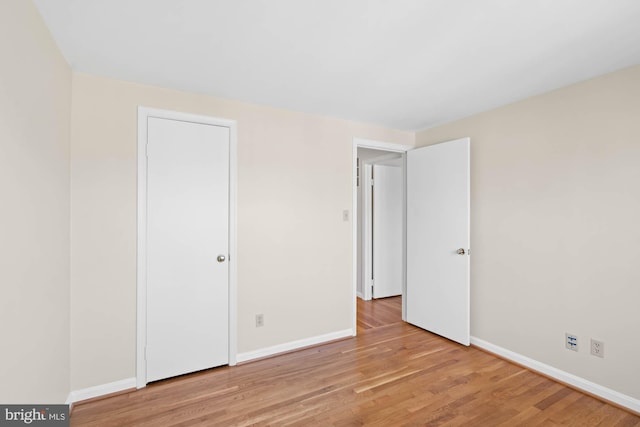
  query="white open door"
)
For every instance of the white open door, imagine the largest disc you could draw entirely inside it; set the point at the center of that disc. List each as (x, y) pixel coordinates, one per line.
(438, 239)
(187, 247)
(387, 230)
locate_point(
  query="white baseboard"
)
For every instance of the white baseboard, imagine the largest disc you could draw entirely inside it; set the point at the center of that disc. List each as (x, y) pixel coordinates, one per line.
(562, 376)
(100, 390)
(130, 383)
(293, 345)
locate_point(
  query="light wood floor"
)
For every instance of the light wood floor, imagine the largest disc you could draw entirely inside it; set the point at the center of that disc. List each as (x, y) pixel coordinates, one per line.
(391, 374)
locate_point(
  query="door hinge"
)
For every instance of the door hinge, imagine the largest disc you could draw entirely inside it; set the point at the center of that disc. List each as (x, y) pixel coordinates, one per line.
(372, 182)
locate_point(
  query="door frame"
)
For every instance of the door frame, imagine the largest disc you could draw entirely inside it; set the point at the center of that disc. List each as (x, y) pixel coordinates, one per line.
(144, 113)
(376, 145)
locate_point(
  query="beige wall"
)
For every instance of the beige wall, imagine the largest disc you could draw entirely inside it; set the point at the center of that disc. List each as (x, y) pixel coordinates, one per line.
(294, 250)
(35, 103)
(555, 205)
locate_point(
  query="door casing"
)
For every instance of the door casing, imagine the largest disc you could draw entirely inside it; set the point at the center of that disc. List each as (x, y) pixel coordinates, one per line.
(141, 280)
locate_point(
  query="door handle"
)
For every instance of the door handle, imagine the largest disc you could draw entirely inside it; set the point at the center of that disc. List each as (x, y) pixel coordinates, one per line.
(221, 258)
(460, 251)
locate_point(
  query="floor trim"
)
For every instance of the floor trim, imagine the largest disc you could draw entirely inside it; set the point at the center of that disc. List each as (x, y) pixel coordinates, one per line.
(77, 396)
(293, 345)
(100, 390)
(597, 390)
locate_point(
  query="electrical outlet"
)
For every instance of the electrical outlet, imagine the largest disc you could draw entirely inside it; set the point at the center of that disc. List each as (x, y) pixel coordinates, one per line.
(597, 348)
(571, 341)
(259, 320)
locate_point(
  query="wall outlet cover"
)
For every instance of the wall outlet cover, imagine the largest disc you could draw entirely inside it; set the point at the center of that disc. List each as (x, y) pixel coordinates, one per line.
(597, 348)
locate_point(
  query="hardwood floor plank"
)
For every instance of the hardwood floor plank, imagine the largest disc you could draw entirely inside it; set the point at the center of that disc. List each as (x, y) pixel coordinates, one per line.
(391, 374)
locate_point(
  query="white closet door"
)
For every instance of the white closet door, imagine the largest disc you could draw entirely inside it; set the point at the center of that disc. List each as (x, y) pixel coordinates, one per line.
(188, 238)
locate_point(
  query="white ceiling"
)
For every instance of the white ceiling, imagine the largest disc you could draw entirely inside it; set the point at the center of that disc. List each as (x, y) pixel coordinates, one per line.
(406, 64)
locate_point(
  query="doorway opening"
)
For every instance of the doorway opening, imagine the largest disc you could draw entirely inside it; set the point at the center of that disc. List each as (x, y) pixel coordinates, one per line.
(378, 224)
(435, 236)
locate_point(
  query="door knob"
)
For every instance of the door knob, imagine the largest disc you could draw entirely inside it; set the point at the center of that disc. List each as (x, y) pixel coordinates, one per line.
(221, 258)
(460, 251)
